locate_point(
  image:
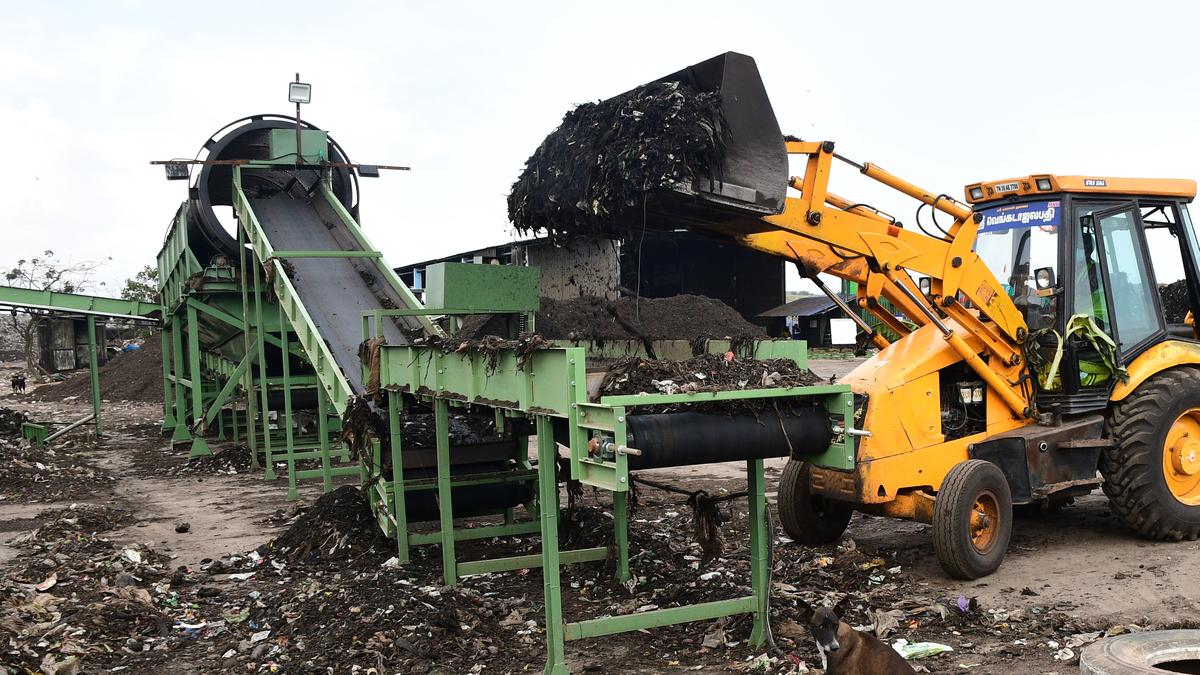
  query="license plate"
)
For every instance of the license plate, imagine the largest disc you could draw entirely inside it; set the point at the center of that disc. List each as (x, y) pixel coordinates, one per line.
(1007, 187)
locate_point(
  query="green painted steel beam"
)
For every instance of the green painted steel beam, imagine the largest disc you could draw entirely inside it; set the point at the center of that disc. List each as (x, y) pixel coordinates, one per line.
(487, 532)
(235, 322)
(704, 611)
(418, 484)
(530, 561)
(706, 396)
(327, 254)
(305, 474)
(231, 383)
(94, 372)
(91, 305)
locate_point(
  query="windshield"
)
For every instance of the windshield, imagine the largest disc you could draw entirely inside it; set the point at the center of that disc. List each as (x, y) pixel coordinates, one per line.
(1017, 240)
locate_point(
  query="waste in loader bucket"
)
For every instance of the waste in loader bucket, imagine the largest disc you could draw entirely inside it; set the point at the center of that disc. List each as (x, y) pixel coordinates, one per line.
(698, 146)
(753, 178)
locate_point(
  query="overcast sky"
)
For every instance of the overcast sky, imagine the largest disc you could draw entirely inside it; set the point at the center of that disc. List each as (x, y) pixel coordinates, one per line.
(938, 92)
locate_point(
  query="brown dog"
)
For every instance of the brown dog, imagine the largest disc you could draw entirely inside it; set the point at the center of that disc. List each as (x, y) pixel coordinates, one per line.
(845, 651)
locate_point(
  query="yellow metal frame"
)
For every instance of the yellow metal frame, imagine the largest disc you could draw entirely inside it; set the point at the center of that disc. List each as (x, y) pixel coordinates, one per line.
(1028, 185)
(1164, 355)
(967, 316)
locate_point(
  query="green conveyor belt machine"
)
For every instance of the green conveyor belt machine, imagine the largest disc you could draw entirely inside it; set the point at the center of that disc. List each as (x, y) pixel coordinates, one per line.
(284, 327)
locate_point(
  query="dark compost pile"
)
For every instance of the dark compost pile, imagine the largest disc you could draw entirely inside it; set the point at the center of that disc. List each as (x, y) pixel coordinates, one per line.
(130, 376)
(589, 318)
(337, 526)
(681, 317)
(601, 161)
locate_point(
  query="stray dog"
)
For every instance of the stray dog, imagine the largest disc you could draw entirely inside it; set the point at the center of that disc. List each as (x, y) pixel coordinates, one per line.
(845, 651)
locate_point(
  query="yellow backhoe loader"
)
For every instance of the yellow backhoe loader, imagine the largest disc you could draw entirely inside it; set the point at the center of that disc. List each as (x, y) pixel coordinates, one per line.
(1024, 356)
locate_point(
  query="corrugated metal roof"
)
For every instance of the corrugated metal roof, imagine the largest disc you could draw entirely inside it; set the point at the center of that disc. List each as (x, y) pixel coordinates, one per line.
(806, 306)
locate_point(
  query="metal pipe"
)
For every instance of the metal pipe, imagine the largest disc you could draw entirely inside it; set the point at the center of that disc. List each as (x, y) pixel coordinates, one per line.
(939, 201)
(921, 304)
(998, 384)
(879, 341)
(837, 201)
(73, 425)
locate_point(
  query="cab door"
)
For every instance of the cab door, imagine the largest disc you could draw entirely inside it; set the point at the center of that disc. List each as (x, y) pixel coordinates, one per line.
(1114, 285)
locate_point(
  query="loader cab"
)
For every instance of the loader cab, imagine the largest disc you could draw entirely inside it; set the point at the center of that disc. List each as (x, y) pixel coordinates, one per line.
(1101, 268)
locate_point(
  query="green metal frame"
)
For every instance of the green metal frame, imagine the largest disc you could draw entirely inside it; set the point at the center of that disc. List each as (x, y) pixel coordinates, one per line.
(548, 384)
(90, 307)
(552, 383)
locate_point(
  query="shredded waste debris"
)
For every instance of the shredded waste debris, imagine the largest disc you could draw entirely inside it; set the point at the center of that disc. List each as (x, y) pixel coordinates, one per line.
(633, 375)
(592, 173)
(37, 475)
(1176, 300)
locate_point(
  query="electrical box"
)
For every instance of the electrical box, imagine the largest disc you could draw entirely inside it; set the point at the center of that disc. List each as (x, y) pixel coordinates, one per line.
(314, 146)
(488, 289)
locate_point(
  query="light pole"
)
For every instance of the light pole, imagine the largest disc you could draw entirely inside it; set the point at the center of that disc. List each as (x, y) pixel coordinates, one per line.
(299, 92)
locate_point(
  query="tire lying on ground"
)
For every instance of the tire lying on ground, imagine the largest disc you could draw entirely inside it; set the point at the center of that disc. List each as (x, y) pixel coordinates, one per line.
(809, 518)
(972, 519)
(1141, 652)
(1152, 471)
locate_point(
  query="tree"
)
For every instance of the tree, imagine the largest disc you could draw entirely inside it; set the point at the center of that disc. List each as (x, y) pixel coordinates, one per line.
(143, 287)
(44, 273)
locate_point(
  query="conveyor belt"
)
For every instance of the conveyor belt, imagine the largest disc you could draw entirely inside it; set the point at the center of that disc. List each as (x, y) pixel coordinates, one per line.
(335, 291)
(296, 216)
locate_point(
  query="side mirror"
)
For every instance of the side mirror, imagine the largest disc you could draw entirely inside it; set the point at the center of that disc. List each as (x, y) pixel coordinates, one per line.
(926, 285)
(1044, 278)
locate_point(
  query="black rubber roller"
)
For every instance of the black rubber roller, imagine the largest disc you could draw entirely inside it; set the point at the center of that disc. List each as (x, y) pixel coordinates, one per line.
(685, 438)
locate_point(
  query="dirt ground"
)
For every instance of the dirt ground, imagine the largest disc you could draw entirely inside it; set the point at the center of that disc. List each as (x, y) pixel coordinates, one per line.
(1067, 577)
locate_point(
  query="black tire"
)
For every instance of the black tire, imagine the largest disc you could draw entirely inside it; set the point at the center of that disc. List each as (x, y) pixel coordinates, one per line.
(1133, 653)
(808, 518)
(1134, 477)
(961, 554)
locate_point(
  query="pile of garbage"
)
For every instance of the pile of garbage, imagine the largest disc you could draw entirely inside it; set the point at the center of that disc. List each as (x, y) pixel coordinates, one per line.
(594, 170)
(706, 373)
(337, 527)
(11, 421)
(231, 460)
(74, 601)
(30, 475)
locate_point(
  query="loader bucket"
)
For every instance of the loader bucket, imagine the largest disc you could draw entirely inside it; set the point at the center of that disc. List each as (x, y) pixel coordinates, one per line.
(753, 179)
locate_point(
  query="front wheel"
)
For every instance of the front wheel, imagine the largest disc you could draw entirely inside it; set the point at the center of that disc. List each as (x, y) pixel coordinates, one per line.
(809, 518)
(1152, 470)
(972, 519)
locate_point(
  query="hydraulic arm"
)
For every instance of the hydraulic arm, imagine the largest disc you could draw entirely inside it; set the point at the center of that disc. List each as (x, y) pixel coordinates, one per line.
(825, 233)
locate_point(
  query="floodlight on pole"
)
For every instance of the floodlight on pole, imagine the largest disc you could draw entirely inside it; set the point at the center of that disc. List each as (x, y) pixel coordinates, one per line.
(299, 92)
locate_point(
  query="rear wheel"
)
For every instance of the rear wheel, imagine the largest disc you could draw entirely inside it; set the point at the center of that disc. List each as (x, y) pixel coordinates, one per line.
(972, 519)
(808, 518)
(1152, 471)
